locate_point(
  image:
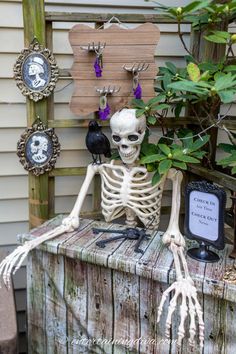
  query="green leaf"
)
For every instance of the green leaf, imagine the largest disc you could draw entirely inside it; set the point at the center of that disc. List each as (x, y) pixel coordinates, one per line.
(233, 171)
(171, 67)
(185, 158)
(199, 143)
(166, 80)
(140, 112)
(178, 109)
(227, 96)
(152, 158)
(222, 34)
(204, 84)
(230, 68)
(152, 120)
(227, 147)
(155, 100)
(138, 103)
(187, 143)
(215, 39)
(228, 160)
(225, 82)
(164, 166)
(156, 178)
(207, 66)
(194, 72)
(195, 6)
(205, 76)
(160, 107)
(188, 86)
(164, 148)
(149, 149)
(181, 165)
(198, 154)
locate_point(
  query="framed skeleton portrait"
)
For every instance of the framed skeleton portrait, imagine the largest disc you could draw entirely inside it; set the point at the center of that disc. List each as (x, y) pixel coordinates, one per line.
(38, 148)
(36, 71)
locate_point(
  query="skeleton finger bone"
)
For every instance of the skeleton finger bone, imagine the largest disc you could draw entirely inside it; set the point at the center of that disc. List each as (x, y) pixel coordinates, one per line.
(200, 319)
(184, 289)
(171, 309)
(192, 314)
(163, 299)
(183, 315)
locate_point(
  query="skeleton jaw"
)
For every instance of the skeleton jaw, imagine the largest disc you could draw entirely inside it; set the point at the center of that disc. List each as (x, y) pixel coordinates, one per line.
(130, 155)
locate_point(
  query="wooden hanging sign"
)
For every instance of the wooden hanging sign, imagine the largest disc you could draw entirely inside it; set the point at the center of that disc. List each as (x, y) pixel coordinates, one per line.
(121, 47)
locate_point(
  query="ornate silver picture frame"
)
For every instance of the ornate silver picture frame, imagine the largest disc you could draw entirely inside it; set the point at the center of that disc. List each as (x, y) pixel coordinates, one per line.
(38, 148)
(36, 71)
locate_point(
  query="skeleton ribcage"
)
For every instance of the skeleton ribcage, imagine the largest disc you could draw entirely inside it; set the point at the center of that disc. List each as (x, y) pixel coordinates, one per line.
(130, 188)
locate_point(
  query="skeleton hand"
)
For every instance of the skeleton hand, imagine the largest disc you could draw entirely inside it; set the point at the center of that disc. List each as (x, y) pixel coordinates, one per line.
(16, 258)
(184, 289)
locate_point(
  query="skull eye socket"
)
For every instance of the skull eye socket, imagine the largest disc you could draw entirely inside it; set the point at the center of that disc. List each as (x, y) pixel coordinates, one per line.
(133, 137)
(116, 138)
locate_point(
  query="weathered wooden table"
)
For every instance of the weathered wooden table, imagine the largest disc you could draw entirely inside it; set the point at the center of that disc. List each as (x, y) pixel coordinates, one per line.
(84, 299)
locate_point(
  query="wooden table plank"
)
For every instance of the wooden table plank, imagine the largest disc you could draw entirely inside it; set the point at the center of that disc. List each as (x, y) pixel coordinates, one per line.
(155, 263)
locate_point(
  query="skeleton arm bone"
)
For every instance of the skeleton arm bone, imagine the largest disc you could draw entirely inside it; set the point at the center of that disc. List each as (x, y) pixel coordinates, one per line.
(72, 221)
(69, 224)
(172, 233)
(183, 287)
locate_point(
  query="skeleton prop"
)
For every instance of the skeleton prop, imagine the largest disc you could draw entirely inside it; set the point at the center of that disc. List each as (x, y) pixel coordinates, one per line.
(127, 189)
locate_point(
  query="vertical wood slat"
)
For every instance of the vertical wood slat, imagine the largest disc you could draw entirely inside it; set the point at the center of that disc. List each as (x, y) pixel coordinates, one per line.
(34, 26)
(100, 307)
(36, 304)
(97, 179)
(55, 306)
(126, 312)
(76, 296)
(50, 116)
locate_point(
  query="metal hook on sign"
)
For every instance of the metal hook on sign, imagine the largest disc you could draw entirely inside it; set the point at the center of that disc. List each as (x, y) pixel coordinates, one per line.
(108, 90)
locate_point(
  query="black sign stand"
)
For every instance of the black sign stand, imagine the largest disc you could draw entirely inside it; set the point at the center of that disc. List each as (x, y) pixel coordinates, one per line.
(205, 210)
(203, 254)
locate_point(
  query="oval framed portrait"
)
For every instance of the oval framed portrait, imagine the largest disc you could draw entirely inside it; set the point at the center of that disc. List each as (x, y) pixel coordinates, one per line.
(38, 148)
(36, 71)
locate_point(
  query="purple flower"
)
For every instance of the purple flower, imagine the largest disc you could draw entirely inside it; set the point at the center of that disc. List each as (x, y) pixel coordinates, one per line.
(97, 68)
(138, 92)
(104, 113)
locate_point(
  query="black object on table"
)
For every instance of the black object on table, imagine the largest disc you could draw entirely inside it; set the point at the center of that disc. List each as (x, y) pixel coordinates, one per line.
(130, 233)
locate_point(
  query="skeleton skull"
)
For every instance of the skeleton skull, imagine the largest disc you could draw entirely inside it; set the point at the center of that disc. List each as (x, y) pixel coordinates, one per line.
(128, 133)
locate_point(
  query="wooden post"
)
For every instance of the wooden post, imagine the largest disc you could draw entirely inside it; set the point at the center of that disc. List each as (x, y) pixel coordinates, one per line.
(34, 26)
(206, 51)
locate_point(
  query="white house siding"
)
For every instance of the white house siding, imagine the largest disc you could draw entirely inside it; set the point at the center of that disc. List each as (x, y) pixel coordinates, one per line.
(13, 178)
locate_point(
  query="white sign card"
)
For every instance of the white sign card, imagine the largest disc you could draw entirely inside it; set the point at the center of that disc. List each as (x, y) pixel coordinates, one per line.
(204, 215)
(205, 207)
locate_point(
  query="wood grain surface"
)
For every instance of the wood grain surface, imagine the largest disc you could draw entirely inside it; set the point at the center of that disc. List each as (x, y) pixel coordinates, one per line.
(84, 299)
(123, 46)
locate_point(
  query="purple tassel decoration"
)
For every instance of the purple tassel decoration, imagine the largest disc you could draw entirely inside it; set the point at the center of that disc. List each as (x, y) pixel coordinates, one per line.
(138, 92)
(97, 68)
(104, 113)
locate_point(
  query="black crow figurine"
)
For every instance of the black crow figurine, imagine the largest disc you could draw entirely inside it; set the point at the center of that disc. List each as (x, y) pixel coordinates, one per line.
(96, 142)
